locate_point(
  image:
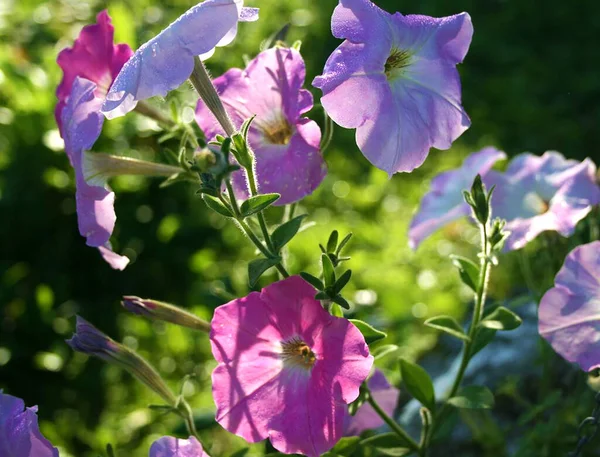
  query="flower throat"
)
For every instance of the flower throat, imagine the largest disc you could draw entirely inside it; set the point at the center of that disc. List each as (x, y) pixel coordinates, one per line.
(396, 62)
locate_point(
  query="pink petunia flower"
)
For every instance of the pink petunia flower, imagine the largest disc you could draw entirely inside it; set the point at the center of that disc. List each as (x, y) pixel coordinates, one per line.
(569, 313)
(366, 418)
(19, 432)
(286, 145)
(93, 57)
(394, 79)
(287, 369)
(89, 68)
(167, 446)
(444, 203)
(537, 194)
(167, 60)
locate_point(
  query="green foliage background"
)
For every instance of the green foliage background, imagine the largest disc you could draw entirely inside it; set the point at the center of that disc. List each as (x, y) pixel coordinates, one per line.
(530, 84)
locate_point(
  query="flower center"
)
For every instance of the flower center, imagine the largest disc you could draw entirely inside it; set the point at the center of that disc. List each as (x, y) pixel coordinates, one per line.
(536, 203)
(278, 131)
(396, 63)
(296, 353)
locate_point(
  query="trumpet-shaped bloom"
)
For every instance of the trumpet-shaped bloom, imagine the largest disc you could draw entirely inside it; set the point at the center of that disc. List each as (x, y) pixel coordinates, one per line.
(569, 313)
(93, 57)
(19, 432)
(286, 145)
(394, 79)
(444, 202)
(167, 60)
(366, 418)
(536, 194)
(167, 446)
(287, 369)
(82, 124)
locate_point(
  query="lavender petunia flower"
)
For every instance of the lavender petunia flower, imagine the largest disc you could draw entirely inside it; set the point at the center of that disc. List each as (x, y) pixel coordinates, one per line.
(366, 418)
(394, 79)
(167, 446)
(286, 369)
(286, 145)
(82, 124)
(537, 194)
(19, 432)
(569, 313)
(444, 202)
(93, 57)
(167, 60)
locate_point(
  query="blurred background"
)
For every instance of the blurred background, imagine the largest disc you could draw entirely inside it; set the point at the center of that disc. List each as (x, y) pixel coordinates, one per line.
(530, 83)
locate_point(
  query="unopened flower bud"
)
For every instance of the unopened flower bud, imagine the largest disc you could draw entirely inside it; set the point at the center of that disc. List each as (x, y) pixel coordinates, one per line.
(161, 311)
(91, 341)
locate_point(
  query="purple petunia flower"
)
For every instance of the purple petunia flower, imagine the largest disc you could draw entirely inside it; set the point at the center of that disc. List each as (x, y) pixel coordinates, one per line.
(537, 194)
(286, 145)
(444, 202)
(394, 79)
(167, 446)
(287, 369)
(167, 60)
(569, 313)
(82, 124)
(93, 57)
(19, 432)
(366, 418)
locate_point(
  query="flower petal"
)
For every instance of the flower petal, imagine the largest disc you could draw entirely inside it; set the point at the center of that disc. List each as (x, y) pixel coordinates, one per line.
(168, 446)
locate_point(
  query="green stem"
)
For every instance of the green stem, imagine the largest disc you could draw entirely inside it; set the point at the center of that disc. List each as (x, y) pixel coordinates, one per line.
(468, 345)
(188, 416)
(234, 203)
(261, 217)
(406, 438)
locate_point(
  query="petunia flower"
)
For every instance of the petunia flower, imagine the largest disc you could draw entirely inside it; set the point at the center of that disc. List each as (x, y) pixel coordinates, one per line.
(286, 145)
(444, 202)
(286, 369)
(394, 80)
(82, 123)
(93, 57)
(537, 194)
(569, 313)
(167, 60)
(366, 418)
(19, 431)
(167, 446)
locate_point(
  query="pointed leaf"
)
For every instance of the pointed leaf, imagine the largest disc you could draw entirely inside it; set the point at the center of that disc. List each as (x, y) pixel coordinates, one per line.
(342, 281)
(483, 337)
(286, 231)
(473, 397)
(370, 333)
(387, 444)
(448, 325)
(312, 280)
(328, 270)
(341, 301)
(501, 319)
(343, 243)
(258, 266)
(418, 383)
(258, 203)
(332, 242)
(382, 351)
(216, 205)
(468, 270)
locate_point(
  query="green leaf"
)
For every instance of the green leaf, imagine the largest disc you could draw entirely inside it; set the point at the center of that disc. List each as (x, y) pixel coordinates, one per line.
(336, 310)
(418, 383)
(473, 397)
(468, 270)
(258, 266)
(286, 231)
(246, 126)
(255, 204)
(501, 319)
(342, 281)
(341, 301)
(332, 242)
(447, 324)
(328, 270)
(321, 296)
(387, 444)
(370, 333)
(343, 243)
(312, 280)
(346, 446)
(481, 207)
(382, 351)
(483, 337)
(216, 205)
(241, 452)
